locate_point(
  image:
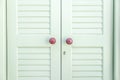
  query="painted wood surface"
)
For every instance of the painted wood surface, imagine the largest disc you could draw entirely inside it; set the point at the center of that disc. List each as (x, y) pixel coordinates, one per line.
(90, 24)
(30, 25)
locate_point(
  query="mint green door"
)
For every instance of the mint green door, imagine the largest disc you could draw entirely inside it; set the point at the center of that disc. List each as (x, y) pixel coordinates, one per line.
(87, 25)
(90, 25)
(30, 25)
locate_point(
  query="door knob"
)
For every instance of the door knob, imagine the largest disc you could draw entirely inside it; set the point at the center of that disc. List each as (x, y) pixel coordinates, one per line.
(52, 40)
(69, 41)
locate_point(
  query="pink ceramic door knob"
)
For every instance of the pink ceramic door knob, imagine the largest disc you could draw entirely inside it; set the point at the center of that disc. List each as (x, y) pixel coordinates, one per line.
(52, 40)
(69, 41)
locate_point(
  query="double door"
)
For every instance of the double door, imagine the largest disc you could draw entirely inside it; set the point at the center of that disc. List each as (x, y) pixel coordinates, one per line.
(59, 39)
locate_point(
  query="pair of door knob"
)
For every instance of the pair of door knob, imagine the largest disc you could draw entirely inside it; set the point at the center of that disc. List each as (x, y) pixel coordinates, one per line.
(52, 40)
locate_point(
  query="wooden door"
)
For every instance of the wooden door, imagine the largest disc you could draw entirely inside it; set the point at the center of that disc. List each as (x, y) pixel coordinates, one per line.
(90, 25)
(30, 25)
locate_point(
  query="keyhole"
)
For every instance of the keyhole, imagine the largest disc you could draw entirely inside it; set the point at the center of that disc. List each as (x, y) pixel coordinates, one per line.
(64, 52)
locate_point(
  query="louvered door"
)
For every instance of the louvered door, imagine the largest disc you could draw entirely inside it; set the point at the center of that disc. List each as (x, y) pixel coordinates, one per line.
(83, 30)
(30, 25)
(90, 25)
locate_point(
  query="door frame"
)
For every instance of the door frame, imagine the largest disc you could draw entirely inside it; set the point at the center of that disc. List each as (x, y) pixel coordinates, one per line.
(3, 47)
(116, 40)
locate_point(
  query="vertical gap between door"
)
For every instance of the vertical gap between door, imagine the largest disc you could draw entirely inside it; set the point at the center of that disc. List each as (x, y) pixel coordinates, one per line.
(6, 43)
(61, 39)
(113, 58)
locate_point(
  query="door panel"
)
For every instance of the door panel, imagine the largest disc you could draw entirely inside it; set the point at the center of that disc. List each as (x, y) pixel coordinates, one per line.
(30, 25)
(90, 25)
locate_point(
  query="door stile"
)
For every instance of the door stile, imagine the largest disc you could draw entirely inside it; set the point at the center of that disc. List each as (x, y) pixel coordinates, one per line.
(66, 33)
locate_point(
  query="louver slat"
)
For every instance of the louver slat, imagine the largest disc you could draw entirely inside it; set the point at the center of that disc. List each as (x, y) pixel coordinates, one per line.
(87, 17)
(87, 63)
(34, 57)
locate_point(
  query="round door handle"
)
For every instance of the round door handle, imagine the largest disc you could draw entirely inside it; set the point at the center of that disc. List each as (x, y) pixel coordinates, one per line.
(52, 40)
(69, 41)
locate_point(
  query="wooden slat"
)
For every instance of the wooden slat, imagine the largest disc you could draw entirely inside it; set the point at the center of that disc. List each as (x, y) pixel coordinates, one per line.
(87, 56)
(33, 25)
(33, 19)
(34, 56)
(96, 19)
(33, 67)
(36, 7)
(87, 62)
(87, 8)
(87, 50)
(32, 50)
(87, 2)
(87, 14)
(34, 73)
(33, 31)
(33, 78)
(85, 74)
(33, 2)
(86, 26)
(87, 31)
(88, 78)
(33, 62)
(33, 14)
(86, 68)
